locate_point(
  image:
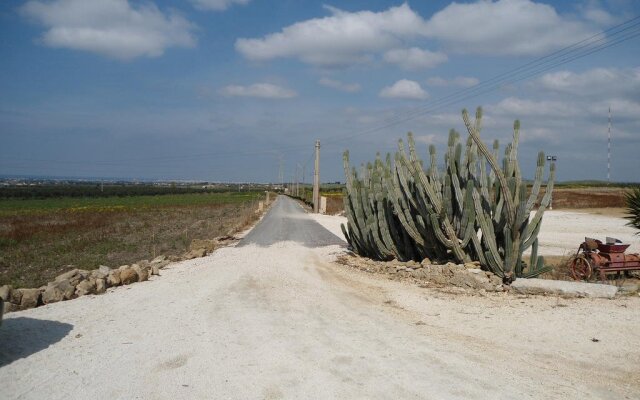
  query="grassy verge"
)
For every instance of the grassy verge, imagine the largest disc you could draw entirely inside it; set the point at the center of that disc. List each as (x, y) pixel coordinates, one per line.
(39, 239)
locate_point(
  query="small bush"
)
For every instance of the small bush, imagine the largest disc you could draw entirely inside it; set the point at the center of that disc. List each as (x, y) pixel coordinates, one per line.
(633, 208)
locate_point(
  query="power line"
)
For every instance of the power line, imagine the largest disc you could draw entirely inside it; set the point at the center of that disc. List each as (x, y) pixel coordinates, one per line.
(597, 42)
(498, 80)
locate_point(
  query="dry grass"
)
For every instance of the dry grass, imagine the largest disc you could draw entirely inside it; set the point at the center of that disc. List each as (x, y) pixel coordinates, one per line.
(37, 246)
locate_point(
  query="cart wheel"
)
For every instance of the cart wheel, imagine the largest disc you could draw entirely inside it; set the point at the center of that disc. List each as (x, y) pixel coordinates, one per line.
(581, 269)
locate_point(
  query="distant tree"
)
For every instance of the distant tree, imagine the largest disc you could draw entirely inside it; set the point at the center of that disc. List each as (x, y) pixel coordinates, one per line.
(633, 208)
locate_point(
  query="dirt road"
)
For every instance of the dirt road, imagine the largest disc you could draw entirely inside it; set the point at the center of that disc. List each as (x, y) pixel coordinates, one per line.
(277, 319)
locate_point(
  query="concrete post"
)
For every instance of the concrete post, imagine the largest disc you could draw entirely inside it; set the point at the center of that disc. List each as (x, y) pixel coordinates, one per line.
(316, 180)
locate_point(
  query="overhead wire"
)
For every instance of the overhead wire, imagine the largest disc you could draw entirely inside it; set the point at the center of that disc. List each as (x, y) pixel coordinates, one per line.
(501, 79)
(612, 36)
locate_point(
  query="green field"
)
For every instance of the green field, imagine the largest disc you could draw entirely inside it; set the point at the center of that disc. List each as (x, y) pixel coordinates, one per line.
(15, 206)
(39, 239)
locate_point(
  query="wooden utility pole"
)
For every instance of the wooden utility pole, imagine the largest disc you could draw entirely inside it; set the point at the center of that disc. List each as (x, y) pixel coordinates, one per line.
(316, 180)
(298, 180)
(609, 149)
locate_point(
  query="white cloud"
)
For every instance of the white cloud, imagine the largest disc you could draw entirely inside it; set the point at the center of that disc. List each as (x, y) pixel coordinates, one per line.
(404, 89)
(112, 28)
(339, 39)
(414, 58)
(505, 27)
(593, 13)
(461, 81)
(261, 90)
(335, 84)
(217, 5)
(595, 82)
(620, 108)
(518, 108)
(502, 27)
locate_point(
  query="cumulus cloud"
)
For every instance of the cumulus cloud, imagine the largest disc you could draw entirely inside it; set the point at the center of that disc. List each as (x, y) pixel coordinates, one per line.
(594, 82)
(339, 39)
(217, 5)
(261, 90)
(518, 108)
(460, 81)
(505, 27)
(112, 28)
(414, 58)
(502, 27)
(404, 89)
(597, 15)
(620, 108)
(335, 84)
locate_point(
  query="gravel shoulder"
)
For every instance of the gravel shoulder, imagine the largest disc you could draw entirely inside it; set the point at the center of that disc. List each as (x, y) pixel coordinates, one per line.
(561, 233)
(283, 321)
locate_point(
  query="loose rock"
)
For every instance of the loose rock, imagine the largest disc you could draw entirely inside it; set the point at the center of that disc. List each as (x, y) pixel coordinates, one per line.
(5, 292)
(159, 259)
(113, 279)
(128, 275)
(15, 296)
(86, 287)
(143, 275)
(58, 291)
(206, 244)
(10, 307)
(30, 298)
(101, 285)
(195, 253)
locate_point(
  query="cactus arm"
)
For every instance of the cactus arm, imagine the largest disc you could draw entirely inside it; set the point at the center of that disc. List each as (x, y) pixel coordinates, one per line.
(494, 165)
(537, 182)
(534, 225)
(490, 249)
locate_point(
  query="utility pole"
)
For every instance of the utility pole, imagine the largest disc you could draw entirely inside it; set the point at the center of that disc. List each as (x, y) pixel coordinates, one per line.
(281, 171)
(609, 149)
(298, 180)
(304, 181)
(316, 180)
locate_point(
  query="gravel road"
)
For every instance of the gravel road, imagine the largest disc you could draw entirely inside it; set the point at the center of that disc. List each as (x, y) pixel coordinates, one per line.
(274, 318)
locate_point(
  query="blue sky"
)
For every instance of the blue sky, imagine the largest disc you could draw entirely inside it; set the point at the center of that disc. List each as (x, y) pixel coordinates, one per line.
(221, 90)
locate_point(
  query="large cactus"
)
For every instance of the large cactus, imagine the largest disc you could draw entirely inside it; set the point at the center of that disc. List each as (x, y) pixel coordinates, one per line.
(373, 230)
(471, 210)
(504, 215)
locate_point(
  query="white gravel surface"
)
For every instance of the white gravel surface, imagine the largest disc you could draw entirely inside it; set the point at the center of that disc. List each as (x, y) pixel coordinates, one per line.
(561, 234)
(282, 321)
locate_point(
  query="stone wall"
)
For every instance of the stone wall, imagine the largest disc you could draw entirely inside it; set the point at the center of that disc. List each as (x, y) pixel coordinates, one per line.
(80, 282)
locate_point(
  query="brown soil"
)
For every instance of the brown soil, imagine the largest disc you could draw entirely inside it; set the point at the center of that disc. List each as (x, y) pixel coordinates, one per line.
(563, 198)
(587, 198)
(36, 248)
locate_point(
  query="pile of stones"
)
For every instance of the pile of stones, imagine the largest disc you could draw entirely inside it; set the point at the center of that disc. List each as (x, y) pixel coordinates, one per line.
(467, 276)
(79, 282)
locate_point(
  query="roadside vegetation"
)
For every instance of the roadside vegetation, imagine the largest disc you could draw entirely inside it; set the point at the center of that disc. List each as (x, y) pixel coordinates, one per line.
(40, 238)
(633, 208)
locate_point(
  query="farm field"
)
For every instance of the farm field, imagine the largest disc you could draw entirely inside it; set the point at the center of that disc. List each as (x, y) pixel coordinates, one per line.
(39, 239)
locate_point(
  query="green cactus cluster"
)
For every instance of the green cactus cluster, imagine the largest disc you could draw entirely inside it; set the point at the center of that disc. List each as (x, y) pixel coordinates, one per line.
(473, 209)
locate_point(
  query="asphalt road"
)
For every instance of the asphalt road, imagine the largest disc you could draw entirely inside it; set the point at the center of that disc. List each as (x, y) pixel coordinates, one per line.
(273, 318)
(288, 221)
